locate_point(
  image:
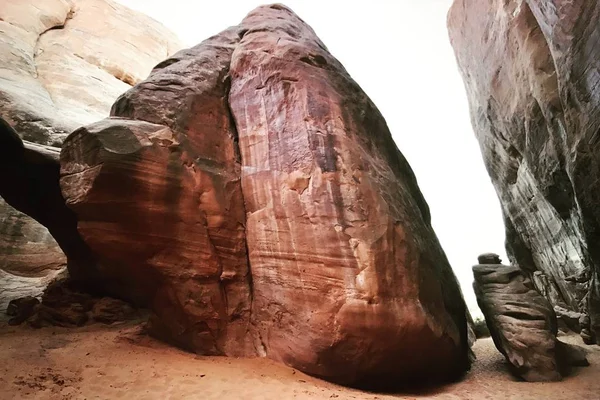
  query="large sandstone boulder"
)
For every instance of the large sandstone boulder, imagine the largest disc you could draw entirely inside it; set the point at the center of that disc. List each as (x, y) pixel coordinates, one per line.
(522, 323)
(62, 65)
(530, 70)
(251, 195)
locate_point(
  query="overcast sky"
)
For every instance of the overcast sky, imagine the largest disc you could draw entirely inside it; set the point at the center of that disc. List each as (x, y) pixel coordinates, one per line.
(399, 52)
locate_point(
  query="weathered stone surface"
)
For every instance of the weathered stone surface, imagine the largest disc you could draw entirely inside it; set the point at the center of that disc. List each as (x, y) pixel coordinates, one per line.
(64, 62)
(348, 276)
(531, 74)
(108, 310)
(522, 324)
(170, 196)
(568, 319)
(15, 287)
(36, 255)
(62, 65)
(65, 303)
(251, 195)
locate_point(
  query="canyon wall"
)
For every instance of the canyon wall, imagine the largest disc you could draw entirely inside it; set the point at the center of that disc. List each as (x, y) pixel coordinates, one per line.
(531, 73)
(62, 65)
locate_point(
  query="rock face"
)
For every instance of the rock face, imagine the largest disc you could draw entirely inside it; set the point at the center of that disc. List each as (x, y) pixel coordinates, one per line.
(530, 71)
(52, 49)
(339, 237)
(62, 65)
(522, 323)
(251, 194)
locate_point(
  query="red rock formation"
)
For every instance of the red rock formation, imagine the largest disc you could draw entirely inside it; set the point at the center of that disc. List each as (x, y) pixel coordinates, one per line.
(343, 278)
(173, 235)
(348, 276)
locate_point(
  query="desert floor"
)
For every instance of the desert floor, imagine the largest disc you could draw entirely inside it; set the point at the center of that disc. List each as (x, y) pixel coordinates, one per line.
(118, 362)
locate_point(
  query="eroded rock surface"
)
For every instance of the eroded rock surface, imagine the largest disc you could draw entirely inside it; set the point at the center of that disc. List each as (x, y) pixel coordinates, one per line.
(62, 65)
(522, 323)
(348, 275)
(530, 70)
(251, 195)
(65, 303)
(64, 62)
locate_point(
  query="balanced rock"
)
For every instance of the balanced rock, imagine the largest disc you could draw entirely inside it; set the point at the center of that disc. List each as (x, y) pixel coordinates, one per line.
(251, 195)
(522, 324)
(531, 78)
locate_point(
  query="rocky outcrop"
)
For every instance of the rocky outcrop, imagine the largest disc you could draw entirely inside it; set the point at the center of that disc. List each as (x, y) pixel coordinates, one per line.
(62, 65)
(64, 62)
(251, 195)
(522, 323)
(530, 71)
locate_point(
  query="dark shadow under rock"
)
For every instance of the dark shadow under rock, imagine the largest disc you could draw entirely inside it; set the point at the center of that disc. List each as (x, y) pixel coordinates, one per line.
(66, 304)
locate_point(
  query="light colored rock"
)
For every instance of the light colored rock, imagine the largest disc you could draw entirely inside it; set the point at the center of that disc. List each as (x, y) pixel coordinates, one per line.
(27, 248)
(531, 74)
(64, 62)
(15, 287)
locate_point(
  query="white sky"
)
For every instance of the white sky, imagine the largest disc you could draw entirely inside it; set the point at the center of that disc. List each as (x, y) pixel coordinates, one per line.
(400, 54)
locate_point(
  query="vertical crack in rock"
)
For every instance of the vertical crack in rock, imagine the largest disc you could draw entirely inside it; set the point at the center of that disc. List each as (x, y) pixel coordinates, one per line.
(261, 351)
(36, 49)
(338, 232)
(263, 208)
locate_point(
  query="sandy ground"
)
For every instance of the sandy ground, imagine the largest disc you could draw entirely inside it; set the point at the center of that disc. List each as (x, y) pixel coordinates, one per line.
(117, 362)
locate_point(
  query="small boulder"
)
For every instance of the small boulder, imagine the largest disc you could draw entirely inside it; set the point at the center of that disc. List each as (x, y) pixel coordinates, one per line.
(69, 316)
(108, 310)
(21, 309)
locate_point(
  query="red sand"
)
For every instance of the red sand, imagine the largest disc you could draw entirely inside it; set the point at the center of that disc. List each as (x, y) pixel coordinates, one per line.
(100, 362)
